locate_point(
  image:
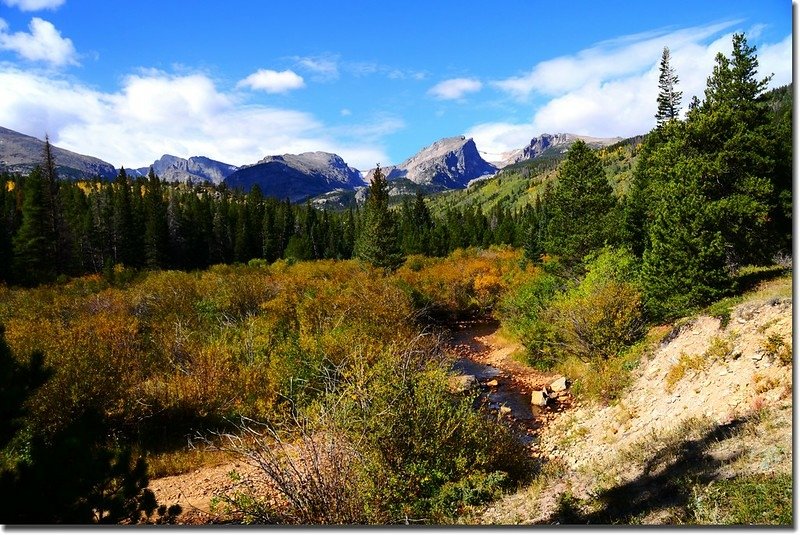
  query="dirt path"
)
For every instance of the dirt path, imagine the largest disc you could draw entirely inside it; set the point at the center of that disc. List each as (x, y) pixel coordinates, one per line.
(505, 386)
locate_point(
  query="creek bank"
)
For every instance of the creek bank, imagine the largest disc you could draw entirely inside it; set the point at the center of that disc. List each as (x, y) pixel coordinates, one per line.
(484, 363)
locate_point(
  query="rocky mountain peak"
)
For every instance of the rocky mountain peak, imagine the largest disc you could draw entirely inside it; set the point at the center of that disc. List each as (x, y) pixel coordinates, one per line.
(20, 153)
(449, 163)
(197, 169)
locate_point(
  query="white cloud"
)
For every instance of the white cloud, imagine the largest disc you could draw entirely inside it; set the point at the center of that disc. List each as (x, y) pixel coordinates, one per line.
(155, 113)
(610, 89)
(776, 59)
(43, 43)
(273, 81)
(494, 139)
(325, 68)
(34, 5)
(455, 88)
(607, 60)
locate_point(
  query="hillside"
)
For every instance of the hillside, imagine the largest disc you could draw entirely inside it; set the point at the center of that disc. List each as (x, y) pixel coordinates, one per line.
(20, 154)
(518, 185)
(708, 411)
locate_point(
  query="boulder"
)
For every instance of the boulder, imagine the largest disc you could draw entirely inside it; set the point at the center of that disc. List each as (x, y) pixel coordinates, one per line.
(562, 383)
(540, 398)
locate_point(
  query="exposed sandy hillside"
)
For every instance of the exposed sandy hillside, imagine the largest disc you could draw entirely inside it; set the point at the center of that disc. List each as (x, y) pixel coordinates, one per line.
(712, 401)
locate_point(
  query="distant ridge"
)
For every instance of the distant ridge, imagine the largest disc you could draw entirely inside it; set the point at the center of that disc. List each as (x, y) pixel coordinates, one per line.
(297, 176)
(20, 153)
(197, 169)
(545, 144)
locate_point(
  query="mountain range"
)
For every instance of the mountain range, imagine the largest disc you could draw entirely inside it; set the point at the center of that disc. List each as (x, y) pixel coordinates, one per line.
(450, 163)
(546, 145)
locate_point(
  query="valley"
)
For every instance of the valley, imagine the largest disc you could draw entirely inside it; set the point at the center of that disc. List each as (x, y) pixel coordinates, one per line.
(598, 333)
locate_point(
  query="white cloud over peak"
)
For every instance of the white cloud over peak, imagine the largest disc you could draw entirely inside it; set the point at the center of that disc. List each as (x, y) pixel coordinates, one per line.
(34, 5)
(154, 113)
(607, 60)
(273, 81)
(43, 43)
(455, 88)
(610, 89)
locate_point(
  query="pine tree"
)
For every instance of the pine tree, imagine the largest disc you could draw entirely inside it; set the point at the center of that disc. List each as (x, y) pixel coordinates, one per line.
(377, 241)
(156, 233)
(684, 264)
(733, 82)
(122, 227)
(669, 99)
(34, 253)
(733, 137)
(582, 210)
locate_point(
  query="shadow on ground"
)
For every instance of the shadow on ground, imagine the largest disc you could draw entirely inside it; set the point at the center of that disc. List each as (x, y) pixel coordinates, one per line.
(664, 485)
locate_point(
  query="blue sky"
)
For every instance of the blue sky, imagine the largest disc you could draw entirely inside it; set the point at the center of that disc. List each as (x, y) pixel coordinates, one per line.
(128, 81)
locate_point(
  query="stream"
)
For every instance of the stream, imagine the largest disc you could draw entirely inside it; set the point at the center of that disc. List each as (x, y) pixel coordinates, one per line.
(504, 385)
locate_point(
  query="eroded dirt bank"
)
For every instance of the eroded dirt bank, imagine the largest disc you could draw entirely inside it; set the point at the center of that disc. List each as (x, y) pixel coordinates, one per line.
(713, 401)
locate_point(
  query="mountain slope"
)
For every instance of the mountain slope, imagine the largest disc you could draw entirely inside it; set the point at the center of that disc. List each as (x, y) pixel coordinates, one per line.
(297, 176)
(20, 153)
(519, 184)
(710, 403)
(547, 145)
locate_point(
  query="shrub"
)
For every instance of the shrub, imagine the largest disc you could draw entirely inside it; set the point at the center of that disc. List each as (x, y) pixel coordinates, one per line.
(467, 282)
(601, 322)
(389, 445)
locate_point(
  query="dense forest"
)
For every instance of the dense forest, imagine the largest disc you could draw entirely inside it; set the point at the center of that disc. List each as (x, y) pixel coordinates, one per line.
(137, 312)
(53, 227)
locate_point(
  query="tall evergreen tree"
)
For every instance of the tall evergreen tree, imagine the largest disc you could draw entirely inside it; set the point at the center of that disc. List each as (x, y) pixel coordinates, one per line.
(34, 252)
(669, 98)
(733, 136)
(122, 226)
(582, 210)
(377, 241)
(684, 264)
(156, 233)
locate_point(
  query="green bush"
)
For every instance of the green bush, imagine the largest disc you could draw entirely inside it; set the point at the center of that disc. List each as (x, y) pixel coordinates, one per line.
(595, 319)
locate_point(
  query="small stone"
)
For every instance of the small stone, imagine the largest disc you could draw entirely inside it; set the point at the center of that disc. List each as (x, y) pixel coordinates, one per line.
(723, 373)
(756, 356)
(493, 383)
(462, 383)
